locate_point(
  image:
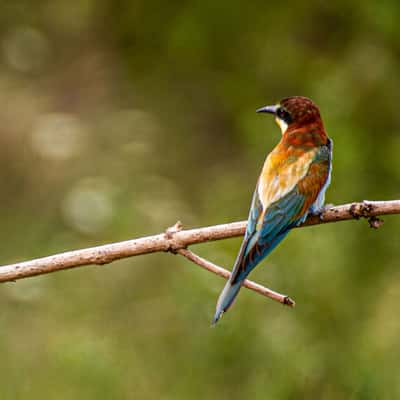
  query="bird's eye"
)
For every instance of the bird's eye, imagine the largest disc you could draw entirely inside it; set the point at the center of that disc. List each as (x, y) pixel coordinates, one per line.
(284, 115)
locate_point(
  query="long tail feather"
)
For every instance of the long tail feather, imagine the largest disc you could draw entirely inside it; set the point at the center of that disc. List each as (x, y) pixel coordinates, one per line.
(227, 298)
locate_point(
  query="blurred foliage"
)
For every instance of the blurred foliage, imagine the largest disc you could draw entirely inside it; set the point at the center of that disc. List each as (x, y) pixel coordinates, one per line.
(121, 117)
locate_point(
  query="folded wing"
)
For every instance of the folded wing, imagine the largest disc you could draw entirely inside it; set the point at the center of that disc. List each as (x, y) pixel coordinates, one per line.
(267, 227)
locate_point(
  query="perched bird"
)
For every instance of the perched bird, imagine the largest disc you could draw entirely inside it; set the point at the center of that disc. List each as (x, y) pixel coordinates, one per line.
(292, 184)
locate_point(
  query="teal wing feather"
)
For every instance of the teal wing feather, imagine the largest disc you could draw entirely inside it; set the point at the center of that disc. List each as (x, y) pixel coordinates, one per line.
(261, 239)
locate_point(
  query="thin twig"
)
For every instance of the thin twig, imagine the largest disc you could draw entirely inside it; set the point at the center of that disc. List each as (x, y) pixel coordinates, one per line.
(281, 298)
(179, 240)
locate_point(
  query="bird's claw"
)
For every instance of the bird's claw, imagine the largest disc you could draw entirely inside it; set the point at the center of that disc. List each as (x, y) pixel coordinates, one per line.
(320, 212)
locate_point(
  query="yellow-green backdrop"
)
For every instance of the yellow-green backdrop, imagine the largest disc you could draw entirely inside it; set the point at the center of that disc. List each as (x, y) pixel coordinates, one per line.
(118, 118)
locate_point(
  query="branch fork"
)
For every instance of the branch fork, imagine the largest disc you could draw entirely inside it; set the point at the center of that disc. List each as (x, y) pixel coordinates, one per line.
(176, 248)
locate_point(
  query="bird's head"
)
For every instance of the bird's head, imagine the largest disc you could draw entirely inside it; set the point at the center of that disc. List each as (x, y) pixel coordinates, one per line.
(294, 112)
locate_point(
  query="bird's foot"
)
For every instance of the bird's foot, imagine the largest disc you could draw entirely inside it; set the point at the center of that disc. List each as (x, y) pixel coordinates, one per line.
(320, 211)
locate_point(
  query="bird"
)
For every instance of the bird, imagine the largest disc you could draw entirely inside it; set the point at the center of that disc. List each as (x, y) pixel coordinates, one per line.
(292, 185)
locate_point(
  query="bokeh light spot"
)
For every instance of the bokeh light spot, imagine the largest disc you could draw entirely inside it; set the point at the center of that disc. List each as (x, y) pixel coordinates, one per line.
(26, 49)
(88, 206)
(58, 136)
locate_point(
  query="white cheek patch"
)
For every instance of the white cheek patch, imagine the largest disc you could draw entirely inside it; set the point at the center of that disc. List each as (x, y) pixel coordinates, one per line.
(282, 124)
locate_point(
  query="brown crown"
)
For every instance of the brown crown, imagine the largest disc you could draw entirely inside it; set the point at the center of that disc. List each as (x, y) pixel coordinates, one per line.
(301, 109)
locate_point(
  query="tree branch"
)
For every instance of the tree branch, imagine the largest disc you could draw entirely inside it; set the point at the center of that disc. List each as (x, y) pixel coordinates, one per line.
(281, 298)
(176, 240)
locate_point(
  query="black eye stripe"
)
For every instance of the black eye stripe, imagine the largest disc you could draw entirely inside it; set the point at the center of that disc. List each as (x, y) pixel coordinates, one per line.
(284, 115)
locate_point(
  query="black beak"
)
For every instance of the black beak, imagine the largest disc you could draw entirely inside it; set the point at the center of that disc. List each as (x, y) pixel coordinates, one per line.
(268, 109)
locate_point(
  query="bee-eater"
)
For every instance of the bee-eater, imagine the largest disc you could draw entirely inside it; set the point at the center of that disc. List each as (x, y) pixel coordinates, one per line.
(292, 184)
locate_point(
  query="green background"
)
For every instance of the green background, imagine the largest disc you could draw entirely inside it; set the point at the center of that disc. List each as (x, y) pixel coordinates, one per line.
(120, 117)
